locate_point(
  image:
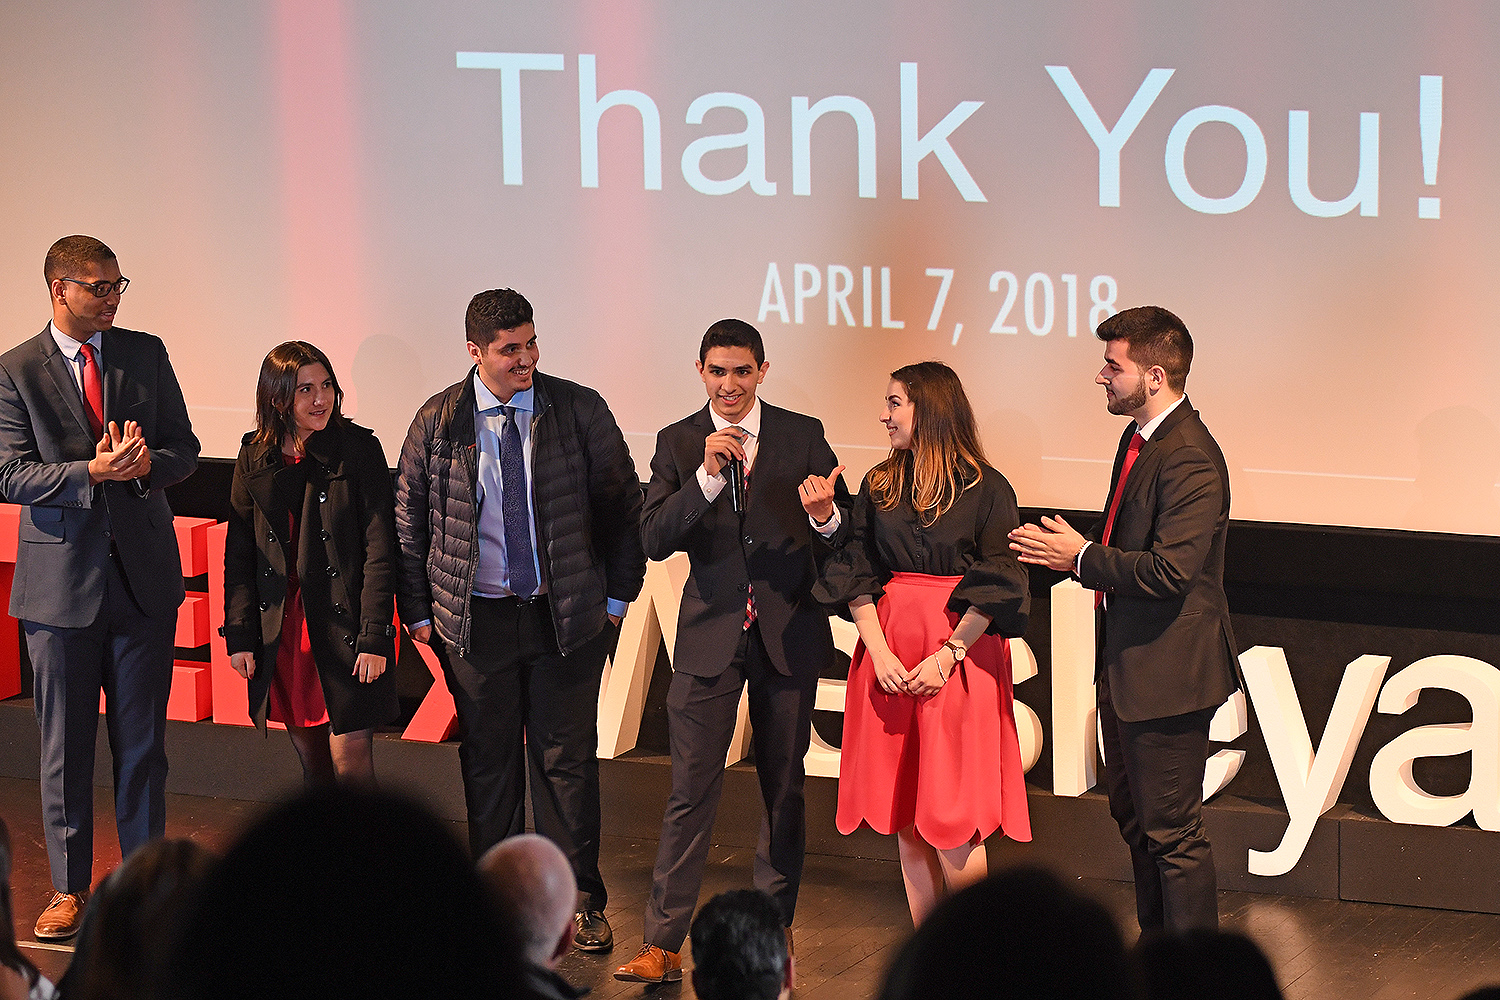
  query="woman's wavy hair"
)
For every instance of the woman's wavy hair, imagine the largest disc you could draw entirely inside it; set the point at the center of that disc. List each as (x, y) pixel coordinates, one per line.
(945, 457)
(278, 385)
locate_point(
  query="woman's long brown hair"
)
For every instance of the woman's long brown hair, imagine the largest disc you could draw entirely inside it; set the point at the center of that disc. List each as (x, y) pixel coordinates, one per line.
(945, 457)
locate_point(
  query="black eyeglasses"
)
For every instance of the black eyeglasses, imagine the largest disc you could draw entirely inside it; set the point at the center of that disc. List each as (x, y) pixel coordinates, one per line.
(103, 288)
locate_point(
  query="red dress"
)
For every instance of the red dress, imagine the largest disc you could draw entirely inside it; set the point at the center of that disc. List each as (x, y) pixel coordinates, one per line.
(950, 764)
(296, 695)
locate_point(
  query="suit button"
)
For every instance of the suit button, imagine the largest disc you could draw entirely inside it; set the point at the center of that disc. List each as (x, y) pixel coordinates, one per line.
(748, 541)
(338, 609)
(332, 572)
(265, 606)
(106, 532)
(271, 538)
(268, 571)
(349, 641)
(322, 497)
(324, 535)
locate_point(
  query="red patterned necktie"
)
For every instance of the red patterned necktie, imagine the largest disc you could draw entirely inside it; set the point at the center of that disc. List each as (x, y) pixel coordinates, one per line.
(750, 614)
(93, 391)
(1114, 503)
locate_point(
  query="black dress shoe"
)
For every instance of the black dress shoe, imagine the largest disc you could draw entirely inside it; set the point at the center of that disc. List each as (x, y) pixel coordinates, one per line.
(593, 931)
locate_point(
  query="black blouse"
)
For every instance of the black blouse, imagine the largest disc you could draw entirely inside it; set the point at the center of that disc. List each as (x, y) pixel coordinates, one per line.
(969, 541)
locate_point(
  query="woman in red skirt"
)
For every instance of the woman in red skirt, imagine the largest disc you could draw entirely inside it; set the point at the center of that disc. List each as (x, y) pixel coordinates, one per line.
(309, 569)
(930, 751)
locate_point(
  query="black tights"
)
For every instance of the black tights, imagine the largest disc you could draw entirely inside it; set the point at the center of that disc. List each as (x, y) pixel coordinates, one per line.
(329, 758)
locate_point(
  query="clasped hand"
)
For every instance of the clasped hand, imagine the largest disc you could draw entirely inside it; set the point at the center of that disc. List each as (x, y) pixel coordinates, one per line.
(120, 455)
(922, 681)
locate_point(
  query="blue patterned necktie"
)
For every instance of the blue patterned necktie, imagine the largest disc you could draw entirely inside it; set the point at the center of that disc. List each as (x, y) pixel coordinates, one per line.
(513, 508)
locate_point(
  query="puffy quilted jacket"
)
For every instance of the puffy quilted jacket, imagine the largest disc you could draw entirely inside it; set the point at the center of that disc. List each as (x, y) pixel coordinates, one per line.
(585, 492)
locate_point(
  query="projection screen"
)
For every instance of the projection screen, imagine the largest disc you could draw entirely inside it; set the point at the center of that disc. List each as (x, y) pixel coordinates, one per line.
(1314, 188)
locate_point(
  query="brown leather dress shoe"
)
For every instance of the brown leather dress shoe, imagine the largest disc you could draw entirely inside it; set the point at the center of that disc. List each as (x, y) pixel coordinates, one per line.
(652, 965)
(62, 917)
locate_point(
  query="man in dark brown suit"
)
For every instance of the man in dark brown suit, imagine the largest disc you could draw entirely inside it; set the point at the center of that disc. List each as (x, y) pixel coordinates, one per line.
(1166, 649)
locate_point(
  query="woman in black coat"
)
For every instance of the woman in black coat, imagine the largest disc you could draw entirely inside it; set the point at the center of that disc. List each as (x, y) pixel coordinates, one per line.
(312, 492)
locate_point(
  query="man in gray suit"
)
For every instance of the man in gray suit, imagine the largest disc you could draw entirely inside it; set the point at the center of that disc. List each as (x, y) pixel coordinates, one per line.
(92, 428)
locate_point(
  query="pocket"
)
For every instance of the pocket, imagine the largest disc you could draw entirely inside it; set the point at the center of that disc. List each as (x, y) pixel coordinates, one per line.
(42, 524)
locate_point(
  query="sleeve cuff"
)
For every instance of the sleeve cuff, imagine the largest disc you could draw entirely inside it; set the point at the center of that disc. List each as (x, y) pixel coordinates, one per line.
(616, 608)
(828, 528)
(1078, 559)
(710, 485)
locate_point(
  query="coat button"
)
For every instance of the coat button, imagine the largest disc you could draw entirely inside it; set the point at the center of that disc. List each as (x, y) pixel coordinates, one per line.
(349, 641)
(323, 497)
(271, 538)
(269, 571)
(265, 606)
(748, 541)
(338, 609)
(324, 535)
(332, 572)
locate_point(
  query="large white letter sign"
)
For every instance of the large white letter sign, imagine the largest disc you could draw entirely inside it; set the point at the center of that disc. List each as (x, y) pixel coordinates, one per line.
(1255, 159)
(1075, 715)
(1366, 193)
(510, 65)
(1109, 140)
(1310, 782)
(1230, 722)
(1395, 791)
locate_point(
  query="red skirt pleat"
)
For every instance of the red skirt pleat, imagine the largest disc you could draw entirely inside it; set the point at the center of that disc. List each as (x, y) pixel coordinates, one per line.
(949, 764)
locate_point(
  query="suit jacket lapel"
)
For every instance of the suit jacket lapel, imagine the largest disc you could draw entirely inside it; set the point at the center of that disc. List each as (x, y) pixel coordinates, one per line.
(61, 370)
(1154, 444)
(114, 373)
(765, 459)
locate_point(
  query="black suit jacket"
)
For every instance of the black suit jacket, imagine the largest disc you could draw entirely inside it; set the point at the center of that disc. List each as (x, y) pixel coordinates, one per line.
(67, 526)
(1168, 644)
(775, 547)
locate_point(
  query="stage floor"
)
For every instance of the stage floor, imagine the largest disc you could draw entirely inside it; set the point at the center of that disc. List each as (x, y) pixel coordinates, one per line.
(852, 915)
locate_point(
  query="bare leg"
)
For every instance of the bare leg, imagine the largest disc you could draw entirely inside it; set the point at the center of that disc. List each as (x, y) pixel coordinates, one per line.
(354, 757)
(922, 871)
(963, 866)
(311, 744)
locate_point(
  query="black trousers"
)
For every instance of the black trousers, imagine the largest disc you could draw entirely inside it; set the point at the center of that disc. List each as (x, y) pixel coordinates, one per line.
(524, 706)
(1154, 776)
(701, 713)
(128, 656)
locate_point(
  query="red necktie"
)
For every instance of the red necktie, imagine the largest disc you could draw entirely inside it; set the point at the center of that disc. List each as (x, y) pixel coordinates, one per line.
(750, 612)
(1114, 503)
(93, 391)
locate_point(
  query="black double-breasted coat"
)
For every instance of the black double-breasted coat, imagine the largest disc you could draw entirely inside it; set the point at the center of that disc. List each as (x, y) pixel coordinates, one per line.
(346, 567)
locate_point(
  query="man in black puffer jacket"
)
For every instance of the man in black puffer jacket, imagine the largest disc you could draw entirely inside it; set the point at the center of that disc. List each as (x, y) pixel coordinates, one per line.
(520, 591)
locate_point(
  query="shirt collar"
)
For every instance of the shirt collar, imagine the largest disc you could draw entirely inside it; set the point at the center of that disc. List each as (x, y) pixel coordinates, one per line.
(1155, 422)
(70, 347)
(486, 400)
(750, 422)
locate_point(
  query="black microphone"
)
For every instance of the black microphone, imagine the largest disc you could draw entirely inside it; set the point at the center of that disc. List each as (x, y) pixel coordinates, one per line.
(734, 472)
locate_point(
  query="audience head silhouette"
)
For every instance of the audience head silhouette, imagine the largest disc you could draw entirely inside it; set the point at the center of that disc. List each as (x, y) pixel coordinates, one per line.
(533, 885)
(343, 892)
(1204, 963)
(1021, 933)
(122, 946)
(740, 948)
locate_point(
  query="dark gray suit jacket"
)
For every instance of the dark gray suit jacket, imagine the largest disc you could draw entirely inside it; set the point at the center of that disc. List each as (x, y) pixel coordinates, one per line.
(1168, 644)
(67, 525)
(775, 547)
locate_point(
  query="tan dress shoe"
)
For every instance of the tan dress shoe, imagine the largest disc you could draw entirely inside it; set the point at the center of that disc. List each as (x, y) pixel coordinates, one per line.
(652, 965)
(62, 917)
